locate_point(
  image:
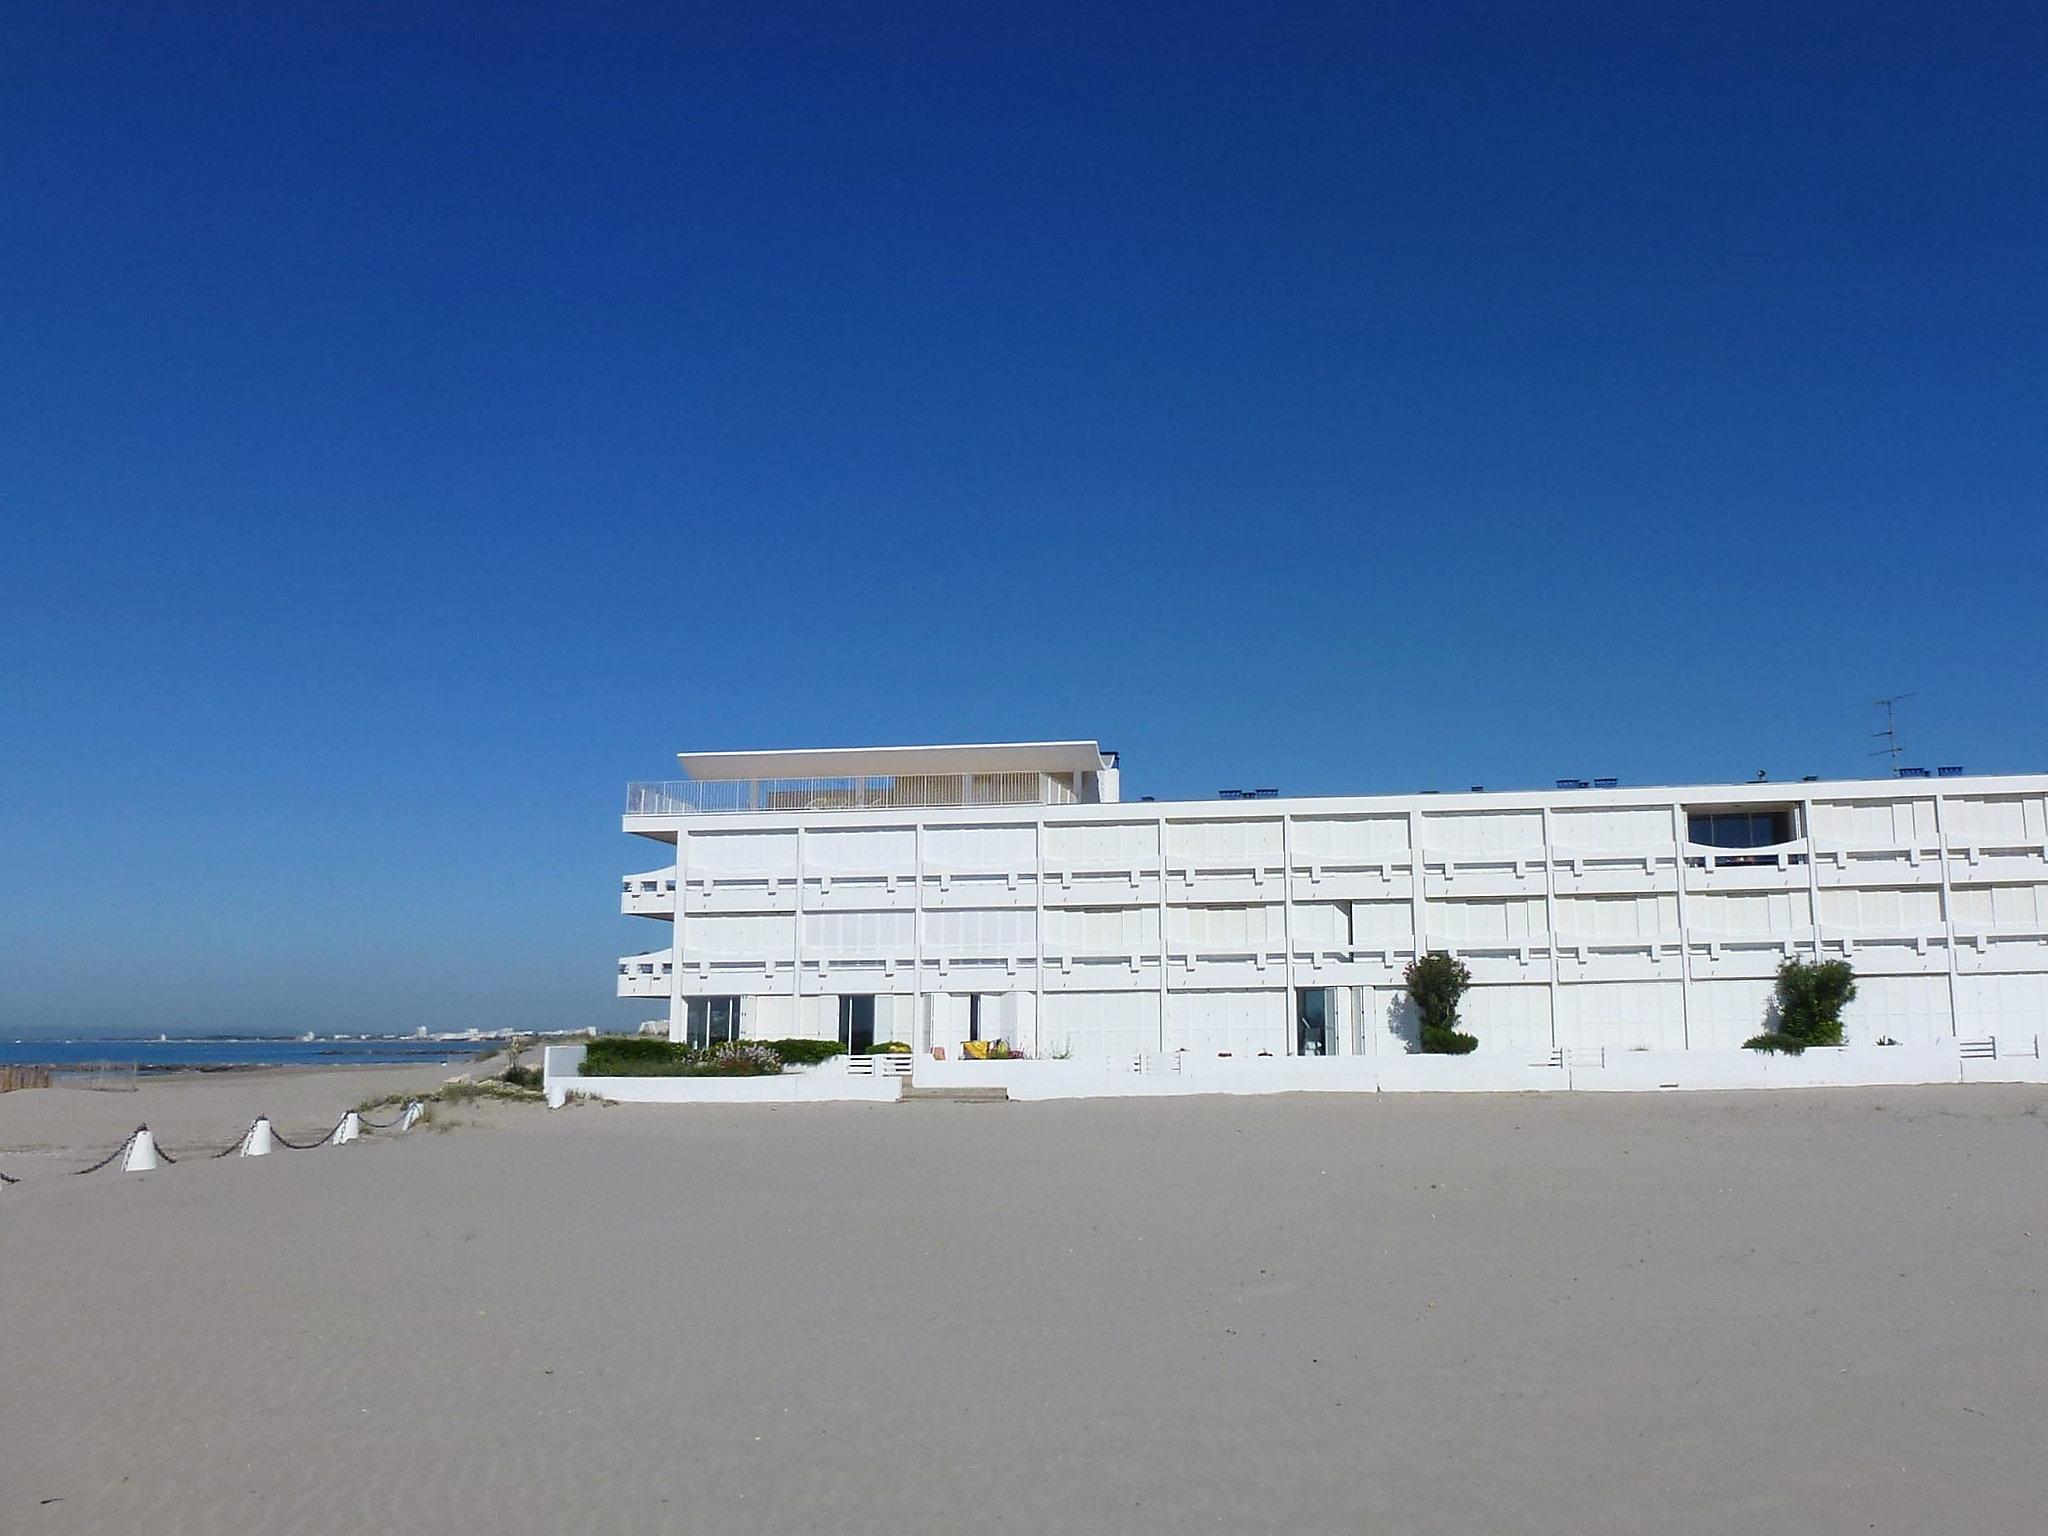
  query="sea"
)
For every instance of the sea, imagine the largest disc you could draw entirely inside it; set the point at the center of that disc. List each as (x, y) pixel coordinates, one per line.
(219, 1052)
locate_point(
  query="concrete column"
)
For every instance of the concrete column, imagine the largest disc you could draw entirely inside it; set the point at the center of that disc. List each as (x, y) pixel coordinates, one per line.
(678, 1013)
(1948, 912)
(1038, 932)
(1159, 833)
(1550, 915)
(1678, 840)
(1287, 931)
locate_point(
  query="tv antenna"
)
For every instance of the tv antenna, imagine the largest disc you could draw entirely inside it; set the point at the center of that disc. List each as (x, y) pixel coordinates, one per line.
(1890, 734)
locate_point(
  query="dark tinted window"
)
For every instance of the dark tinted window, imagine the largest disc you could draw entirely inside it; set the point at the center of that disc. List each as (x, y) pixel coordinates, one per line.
(1740, 829)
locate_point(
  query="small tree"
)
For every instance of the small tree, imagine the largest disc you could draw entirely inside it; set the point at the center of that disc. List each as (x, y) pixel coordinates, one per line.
(1807, 1006)
(1436, 981)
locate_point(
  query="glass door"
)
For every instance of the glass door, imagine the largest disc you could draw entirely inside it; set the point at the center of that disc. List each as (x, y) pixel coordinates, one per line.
(1312, 1022)
(857, 1024)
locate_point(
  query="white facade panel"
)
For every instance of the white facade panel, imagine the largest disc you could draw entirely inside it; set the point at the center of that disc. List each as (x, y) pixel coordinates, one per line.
(1242, 1023)
(1102, 845)
(1095, 1025)
(1386, 1022)
(998, 931)
(1622, 1016)
(1612, 830)
(1386, 924)
(972, 849)
(741, 852)
(2001, 906)
(1225, 844)
(1874, 823)
(1508, 1017)
(1912, 1010)
(1350, 840)
(1322, 925)
(1749, 914)
(1616, 919)
(857, 935)
(859, 851)
(1728, 1010)
(2005, 1008)
(1101, 930)
(1231, 930)
(1482, 834)
(1994, 821)
(1509, 920)
(1881, 909)
(738, 936)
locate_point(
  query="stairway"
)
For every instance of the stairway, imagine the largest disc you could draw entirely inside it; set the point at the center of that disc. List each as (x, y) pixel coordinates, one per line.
(994, 1093)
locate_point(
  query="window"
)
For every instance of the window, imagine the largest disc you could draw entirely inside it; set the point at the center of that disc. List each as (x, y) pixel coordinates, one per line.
(1741, 829)
(712, 1021)
(974, 1016)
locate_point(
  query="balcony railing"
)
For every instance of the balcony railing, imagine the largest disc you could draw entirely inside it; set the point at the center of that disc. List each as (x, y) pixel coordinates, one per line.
(892, 792)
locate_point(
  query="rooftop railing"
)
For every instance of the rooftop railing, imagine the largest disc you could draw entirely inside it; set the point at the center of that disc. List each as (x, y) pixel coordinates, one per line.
(892, 792)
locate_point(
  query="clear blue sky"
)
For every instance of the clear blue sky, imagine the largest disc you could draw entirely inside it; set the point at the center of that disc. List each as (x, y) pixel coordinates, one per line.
(417, 420)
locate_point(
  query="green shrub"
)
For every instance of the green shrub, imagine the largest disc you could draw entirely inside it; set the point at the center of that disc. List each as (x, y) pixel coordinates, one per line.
(1436, 981)
(1775, 1042)
(634, 1056)
(1810, 998)
(630, 1055)
(889, 1048)
(521, 1077)
(805, 1053)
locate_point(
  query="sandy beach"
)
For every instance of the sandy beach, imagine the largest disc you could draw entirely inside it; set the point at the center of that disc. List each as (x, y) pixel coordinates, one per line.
(47, 1131)
(1816, 1312)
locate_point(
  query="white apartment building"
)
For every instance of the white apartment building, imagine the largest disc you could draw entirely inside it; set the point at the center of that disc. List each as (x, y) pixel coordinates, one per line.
(937, 895)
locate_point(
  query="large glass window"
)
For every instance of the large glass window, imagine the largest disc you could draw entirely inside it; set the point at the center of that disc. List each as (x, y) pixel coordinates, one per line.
(1741, 829)
(712, 1020)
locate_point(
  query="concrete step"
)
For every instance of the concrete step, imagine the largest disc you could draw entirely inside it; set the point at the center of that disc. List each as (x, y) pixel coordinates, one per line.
(994, 1094)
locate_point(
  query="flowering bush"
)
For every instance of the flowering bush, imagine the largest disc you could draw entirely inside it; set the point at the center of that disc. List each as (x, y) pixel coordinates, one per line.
(736, 1058)
(612, 1056)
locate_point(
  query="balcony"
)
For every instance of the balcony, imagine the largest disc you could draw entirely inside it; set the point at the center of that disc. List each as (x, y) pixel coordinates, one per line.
(860, 792)
(652, 894)
(646, 975)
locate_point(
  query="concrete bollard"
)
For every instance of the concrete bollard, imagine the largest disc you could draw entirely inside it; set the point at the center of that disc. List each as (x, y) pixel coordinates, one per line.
(412, 1114)
(256, 1142)
(141, 1156)
(350, 1128)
